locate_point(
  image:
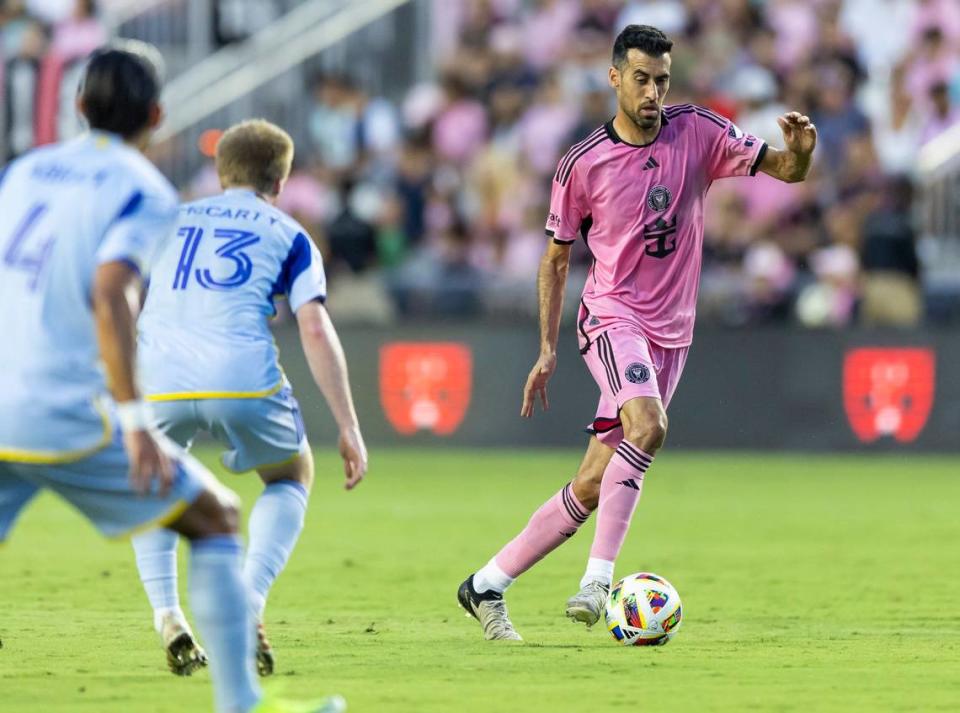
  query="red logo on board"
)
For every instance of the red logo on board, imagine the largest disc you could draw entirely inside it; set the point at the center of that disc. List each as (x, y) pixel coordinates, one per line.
(888, 392)
(425, 385)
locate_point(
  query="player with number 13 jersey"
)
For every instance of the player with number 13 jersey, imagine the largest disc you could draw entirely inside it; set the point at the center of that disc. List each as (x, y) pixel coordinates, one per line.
(209, 361)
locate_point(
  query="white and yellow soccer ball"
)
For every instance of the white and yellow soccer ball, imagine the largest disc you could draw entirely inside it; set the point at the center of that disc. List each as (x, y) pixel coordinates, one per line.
(643, 609)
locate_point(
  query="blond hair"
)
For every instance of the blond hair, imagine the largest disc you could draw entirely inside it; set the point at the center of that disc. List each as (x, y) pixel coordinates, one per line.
(254, 153)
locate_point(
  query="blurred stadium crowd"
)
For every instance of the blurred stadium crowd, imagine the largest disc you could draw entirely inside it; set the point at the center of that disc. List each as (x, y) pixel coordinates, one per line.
(432, 202)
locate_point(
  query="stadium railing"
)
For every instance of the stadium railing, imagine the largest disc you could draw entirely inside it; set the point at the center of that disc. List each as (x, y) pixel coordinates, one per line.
(938, 177)
(182, 30)
(266, 75)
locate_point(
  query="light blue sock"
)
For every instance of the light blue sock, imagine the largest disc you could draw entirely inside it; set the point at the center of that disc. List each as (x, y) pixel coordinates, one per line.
(156, 552)
(218, 598)
(275, 524)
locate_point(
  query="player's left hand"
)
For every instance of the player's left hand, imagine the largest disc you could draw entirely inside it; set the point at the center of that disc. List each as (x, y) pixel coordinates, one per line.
(353, 451)
(148, 462)
(536, 385)
(799, 133)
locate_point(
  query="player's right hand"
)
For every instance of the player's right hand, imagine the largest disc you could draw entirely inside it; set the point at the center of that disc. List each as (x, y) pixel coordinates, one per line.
(147, 462)
(354, 454)
(537, 384)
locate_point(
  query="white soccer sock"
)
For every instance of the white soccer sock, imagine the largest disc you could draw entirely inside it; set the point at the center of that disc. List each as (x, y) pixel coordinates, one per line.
(598, 570)
(275, 525)
(218, 598)
(490, 576)
(156, 552)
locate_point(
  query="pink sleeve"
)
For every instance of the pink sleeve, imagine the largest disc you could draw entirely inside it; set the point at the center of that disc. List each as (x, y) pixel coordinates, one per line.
(731, 152)
(567, 206)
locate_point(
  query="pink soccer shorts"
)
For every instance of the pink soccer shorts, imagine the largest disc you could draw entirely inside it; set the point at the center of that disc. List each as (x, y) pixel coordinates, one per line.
(626, 365)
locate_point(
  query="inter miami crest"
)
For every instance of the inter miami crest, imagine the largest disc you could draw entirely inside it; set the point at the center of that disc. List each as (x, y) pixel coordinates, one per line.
(637, 373)
(659, 198)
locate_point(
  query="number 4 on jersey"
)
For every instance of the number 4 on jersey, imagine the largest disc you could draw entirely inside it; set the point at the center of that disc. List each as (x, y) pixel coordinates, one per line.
(18, 257)
(232, 250)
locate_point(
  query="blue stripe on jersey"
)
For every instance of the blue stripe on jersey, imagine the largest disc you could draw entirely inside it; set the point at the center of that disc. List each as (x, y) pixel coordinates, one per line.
(136, 200)
(3, 172)
(297, 261)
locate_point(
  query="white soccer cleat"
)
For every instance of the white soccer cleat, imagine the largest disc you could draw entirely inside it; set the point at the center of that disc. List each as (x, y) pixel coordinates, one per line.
(184, 654)
(586, 606)
(490, 610)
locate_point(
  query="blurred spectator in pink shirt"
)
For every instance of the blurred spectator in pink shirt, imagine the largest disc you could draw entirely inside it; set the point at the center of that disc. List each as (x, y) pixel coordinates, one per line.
(942, 116)
(934, 60)
(548, 30)
(545, 126)
(944, 14)
(80, 33)
(308, 199)
(461, 127)
(795, 23)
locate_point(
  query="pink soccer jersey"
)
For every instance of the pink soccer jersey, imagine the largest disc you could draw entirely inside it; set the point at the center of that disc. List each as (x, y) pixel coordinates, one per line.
(640, 212)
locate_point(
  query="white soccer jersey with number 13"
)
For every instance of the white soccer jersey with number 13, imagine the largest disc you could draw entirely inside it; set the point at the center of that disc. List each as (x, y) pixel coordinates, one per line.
(204, 330)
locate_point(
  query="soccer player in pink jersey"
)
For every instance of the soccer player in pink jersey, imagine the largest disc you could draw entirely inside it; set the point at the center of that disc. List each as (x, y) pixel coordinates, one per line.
(634, 190)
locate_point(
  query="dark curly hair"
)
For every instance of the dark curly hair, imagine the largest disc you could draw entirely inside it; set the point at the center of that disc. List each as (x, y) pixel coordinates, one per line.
(645, 38)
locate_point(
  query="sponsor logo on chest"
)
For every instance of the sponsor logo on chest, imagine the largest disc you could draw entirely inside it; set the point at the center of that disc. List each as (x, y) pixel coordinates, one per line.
(659, 198)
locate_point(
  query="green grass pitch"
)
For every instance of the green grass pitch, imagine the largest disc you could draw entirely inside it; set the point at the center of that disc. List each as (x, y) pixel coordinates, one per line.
(808, 583)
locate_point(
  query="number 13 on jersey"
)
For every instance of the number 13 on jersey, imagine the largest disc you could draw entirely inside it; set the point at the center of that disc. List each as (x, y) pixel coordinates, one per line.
(231, 250)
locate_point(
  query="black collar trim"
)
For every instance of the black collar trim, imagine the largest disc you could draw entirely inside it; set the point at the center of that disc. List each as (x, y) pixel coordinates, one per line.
(615, 137)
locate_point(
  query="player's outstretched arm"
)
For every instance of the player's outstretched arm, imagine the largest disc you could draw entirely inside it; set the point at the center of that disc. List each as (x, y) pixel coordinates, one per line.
(792, 163)
(551, 282)
(324, 353)
(116, 299)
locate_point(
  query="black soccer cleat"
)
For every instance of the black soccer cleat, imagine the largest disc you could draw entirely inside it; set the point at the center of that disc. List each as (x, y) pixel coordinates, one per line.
(489, 609)
(184, 654)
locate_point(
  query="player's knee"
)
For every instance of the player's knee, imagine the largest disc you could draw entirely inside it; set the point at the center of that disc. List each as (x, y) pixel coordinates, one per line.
(305, 473)
(227, 517)
(222, 516)
(648, 433)
(215, 512)
(299, 470)
(307, 481)
(586, 488)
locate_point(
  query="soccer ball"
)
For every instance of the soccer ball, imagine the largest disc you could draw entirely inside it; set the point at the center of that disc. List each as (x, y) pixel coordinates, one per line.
(643, 609)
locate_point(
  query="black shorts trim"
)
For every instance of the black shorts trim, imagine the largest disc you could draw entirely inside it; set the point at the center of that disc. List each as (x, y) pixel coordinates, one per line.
(586, 337)
(605, 352)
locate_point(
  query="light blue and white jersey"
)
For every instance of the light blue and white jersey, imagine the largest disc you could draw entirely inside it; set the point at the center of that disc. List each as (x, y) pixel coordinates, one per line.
(204, 330)
(64, 210)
